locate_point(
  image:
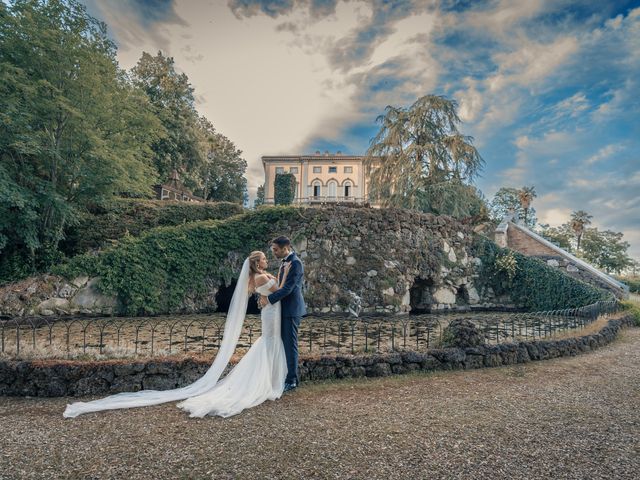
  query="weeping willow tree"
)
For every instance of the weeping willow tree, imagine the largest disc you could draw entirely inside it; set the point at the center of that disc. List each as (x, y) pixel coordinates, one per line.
(420, 160)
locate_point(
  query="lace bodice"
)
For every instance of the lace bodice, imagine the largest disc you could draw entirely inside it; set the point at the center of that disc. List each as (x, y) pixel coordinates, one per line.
(264, 289)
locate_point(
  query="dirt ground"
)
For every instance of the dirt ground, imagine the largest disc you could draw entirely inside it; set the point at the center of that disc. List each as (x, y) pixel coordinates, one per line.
(570, 418)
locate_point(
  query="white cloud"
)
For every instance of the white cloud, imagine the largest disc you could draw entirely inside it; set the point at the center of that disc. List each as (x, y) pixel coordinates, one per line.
(573, 106)
(603, 153)
(470, 101)
(530, 63)
(552, 216)
(507, 15)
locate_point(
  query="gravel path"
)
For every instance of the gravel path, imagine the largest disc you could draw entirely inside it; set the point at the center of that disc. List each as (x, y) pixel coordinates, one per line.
(565, 418)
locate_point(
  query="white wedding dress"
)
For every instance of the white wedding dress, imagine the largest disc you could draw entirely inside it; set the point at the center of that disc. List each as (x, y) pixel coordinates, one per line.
(259, 375)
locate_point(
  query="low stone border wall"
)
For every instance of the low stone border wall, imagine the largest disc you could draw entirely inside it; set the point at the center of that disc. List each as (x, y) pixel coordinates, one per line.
(55, 378)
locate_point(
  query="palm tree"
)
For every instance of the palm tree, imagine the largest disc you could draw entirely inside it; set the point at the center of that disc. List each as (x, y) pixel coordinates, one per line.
(419, 151)
(579, 220)
(526, 196)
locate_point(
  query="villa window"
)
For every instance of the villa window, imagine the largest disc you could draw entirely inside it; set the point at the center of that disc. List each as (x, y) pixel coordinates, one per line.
(317, 169)
(279, 170)
(333, 189)
(293, 170)
(347, 190)
(316, 189)
(333, 169)
(348, 169)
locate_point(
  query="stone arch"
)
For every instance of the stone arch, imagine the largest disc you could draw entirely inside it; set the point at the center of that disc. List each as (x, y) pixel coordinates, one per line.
(353, 183)
(462, 295)
(316, 180)
(421, 295)
(315, 183)
(223, 298)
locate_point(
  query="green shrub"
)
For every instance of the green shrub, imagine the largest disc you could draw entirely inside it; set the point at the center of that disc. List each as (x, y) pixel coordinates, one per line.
(530, 282)
(634, 309)
(121, 217)
(632, 282)
(284, 188)
(154, 273)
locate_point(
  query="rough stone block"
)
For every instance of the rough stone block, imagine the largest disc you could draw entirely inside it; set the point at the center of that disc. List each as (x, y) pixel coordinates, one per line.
(378, 370)
(159, 382)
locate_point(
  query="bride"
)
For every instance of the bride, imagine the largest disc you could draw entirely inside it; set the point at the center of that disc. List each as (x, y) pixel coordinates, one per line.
(259, 375)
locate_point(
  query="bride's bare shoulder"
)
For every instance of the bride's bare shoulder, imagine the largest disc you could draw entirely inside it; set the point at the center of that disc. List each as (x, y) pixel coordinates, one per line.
(261, 279)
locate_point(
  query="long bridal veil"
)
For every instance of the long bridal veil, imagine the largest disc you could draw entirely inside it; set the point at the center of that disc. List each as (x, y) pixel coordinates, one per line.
(232, 329)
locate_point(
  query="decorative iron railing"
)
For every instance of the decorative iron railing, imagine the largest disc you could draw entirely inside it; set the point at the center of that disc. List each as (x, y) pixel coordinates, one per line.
(158, 336)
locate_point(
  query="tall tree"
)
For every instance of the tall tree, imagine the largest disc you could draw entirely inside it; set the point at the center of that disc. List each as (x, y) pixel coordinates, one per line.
(526, 196)
(259, 196)
(509, 200)
(561, 236)
(172, 97)
(220, 176)
(72, 129)
(419, 159)
(579, 220)
(606, 250)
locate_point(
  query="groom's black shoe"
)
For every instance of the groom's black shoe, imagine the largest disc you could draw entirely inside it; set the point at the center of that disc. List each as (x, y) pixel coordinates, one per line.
(290, 386)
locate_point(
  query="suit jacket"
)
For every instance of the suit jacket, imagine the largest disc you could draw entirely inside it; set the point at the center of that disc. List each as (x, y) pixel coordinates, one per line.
(290, 295)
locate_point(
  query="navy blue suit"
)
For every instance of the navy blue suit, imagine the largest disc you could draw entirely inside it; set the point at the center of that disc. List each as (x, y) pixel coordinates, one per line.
(292, 308)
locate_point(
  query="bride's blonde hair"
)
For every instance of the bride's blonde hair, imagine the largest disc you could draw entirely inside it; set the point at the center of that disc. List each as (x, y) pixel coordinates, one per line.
(254, 269)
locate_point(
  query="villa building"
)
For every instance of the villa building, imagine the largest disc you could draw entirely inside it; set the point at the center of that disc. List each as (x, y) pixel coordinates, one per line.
(320, 178)
(174, 189)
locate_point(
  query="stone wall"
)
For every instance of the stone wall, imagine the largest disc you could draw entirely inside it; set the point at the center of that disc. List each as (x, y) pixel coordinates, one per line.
(61, 378)
(575, 271)
(391, 260)
(379, 260)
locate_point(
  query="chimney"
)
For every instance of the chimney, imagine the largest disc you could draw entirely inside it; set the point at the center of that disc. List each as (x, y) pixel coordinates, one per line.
(339, 152)
(317, 152)
(326, 153)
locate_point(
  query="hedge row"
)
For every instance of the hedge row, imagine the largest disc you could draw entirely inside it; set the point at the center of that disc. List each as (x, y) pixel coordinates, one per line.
(121, 217)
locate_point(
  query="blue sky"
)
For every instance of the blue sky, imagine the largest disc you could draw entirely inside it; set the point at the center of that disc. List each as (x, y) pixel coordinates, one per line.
(548, 89)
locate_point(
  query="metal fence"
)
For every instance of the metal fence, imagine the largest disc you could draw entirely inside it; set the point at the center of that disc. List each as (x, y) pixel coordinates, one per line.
(158, 336)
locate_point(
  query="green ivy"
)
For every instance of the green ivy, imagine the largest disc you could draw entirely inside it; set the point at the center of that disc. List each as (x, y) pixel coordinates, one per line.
(121, 217)
(284, 188)
(531, 283)
(155, 272)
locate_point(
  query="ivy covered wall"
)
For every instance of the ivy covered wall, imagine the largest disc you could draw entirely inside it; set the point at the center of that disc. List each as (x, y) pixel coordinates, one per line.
(382, 260)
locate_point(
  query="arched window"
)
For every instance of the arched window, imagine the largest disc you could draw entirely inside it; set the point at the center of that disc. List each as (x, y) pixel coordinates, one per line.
(333, 189)
(316, 188)
(347, 189)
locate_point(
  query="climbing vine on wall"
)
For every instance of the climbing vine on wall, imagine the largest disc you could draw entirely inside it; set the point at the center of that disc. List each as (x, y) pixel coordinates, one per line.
(530, 282)
(155, 272)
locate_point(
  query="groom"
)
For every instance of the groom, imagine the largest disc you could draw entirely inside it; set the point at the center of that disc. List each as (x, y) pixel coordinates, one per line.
(292, 305)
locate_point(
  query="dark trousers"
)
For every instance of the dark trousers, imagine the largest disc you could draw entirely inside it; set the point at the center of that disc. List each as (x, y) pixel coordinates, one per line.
(289, 332)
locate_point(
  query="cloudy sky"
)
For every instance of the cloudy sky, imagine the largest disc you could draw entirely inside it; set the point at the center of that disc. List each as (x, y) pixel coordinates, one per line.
(548, 89)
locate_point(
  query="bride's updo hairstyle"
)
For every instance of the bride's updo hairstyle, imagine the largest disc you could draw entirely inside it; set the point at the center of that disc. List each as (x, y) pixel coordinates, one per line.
(254, 269)
(254, 260)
